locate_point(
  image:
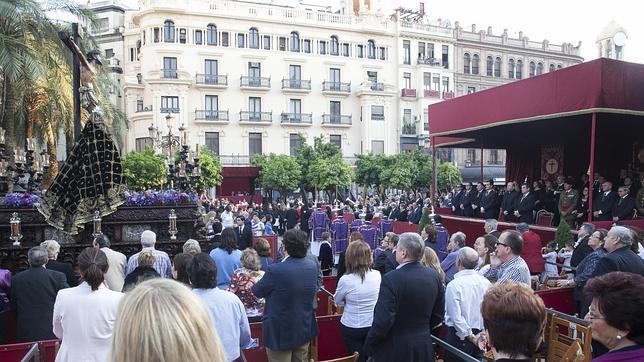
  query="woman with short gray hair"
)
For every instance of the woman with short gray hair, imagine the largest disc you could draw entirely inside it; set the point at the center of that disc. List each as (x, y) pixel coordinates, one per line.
(53, 250)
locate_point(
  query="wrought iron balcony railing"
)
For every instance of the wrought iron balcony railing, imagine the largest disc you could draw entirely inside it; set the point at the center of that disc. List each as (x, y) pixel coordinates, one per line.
(258, 82)
(296, 84)
(336, 87)
(211, 79)
(336, 119)
(248, 116)
(306, 118)
(211, 115)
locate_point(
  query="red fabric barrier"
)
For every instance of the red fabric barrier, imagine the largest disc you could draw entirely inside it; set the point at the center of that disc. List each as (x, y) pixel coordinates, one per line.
(255, 354)
(15, 352)
(329, 283)
(330, 344)
(608, 224)
(559, 299)
(272, 241)
(404, 227)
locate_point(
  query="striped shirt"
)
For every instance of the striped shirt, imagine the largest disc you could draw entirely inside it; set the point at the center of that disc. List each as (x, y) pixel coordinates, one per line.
(162, 263)
(514, 269)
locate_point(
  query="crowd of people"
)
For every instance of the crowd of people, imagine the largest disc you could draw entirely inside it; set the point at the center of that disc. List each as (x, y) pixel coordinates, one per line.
(395, 290)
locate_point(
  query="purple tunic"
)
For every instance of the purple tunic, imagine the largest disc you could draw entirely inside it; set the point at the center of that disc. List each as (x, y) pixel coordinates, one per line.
(340, 233)
(319, 223)
(355, 225)
(442, 238)
(385, 226)
(369, 234)
(627, 354)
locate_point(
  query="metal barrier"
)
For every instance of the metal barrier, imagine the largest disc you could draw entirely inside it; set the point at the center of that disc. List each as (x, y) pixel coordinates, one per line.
(32, 353)
(453, 350)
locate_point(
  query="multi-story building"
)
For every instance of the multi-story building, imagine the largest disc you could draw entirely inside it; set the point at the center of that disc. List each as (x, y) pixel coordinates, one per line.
(484, 60)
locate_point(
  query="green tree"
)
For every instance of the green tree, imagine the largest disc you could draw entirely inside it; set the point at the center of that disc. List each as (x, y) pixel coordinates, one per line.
(309, 156)
(368, 169)
(210, 169)
(399, 171)
(563, 234)
(423, 177)
(424, 219)
(145, 170)
(278, 172)
(447, 176)
(329, 174)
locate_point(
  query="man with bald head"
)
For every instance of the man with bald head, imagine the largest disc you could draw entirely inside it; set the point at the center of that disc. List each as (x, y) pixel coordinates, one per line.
(464, 296)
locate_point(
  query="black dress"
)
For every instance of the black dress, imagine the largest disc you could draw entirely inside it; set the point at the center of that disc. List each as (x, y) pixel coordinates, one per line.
(138, 275)
(65, 268)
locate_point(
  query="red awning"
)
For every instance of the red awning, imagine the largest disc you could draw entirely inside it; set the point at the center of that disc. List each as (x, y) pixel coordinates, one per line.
(602, 85)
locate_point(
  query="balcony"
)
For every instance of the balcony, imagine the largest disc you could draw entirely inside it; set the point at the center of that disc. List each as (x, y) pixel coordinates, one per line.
(256, 117)
(408, 93)
(434, 62)
(448, 95)
(336, 120)
(431, 93)
(336, 88)
(211, 80)
(255, 83)
(211, 115)
(169, 110)
(297, 119)
(235, 160)
(296, 85)
(169, 74)
(409, 129)
(140, 108)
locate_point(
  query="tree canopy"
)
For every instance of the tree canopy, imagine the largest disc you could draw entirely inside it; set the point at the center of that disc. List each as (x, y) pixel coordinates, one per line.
(278, 172)
(145, 170)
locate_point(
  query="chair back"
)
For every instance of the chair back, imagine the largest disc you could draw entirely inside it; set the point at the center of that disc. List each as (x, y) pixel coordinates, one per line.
(563, 338)
(544, 218)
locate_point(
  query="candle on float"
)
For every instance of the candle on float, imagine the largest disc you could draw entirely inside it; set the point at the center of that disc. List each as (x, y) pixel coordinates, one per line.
(2, 132)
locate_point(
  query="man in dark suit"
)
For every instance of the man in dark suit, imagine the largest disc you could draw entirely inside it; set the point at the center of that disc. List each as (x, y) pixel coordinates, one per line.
(386, 261)
(403, 213)
(582, 249)
(624, 206)
(456, 200)
(525, 205)
(490, 228)
(488, 203)
(410, 304)
(509, 202)
(466, 200)
(476, 202)
(291, 217)
(33, 293)
(244, 234)
(416, 213)
(620, 257)
(603, 205)
(289, 288)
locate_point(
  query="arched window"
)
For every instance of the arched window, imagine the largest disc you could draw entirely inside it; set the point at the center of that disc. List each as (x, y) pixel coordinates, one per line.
(518, 72)
(497, 67)
(168, 31)
(511, 68)
(539, 68)
(295, 42)
(533, 69)
(253, 38)
(552, 67)
(467, 63)
(371, 49)
(559, 67)
(475, 64)
(490, 66)
(211, 34)
(335, 47)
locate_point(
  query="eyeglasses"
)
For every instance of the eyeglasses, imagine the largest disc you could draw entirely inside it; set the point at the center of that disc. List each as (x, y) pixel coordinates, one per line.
(500, 243)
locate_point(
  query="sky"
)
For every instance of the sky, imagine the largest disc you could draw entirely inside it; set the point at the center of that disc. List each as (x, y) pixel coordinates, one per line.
(556, 20)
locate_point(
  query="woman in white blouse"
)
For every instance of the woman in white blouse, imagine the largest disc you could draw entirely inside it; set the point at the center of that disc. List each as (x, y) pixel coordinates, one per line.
(484, 246)
(357, 291)
(84, 315)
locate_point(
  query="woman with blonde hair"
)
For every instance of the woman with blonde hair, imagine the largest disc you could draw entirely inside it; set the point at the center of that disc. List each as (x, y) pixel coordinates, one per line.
(430, 260)
(357, 291)
(163, 320)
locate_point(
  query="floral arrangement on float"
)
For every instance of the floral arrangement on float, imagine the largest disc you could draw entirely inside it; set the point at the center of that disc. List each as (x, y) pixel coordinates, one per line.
(159, 197)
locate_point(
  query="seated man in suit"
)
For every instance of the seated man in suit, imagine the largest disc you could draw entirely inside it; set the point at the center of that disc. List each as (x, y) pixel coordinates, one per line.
(289, 288)
(33, 294)
(623, 208)
(410, 304)
(620, 257)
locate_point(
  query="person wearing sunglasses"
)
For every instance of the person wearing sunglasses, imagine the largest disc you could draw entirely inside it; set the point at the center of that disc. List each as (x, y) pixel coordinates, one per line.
(506, 262)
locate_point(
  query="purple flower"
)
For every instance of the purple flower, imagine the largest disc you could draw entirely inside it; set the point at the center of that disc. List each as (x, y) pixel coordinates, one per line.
(159, 197)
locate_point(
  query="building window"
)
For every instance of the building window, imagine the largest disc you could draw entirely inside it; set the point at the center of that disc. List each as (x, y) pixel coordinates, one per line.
(407, 80)
(421, 50)
(360, 51)
(436, 79)
(382, 53)
(295, 108)
(406, 52)
(240, 40)
(322, 47)
(493, 157)
(425, 119)
(211, 35)
(210, 70)
(345, 49)
(224, 39)
(142, 143)
(445, 59)
(198, 37)
(334, 78)
(336, 139)
(170, 68)
(445, 84)
(406, 115)
(377, 147)
(430, 51)
(497, 67)
(377, 113)
(335, 112)
(490, 66)
(372, 76)
(471, 90)
(511, 68)
(467, 63)
(518, 71)
(295, 72)
(211, 106)
(475, 64)
(169, 104)
(168, 31)
(532, 69)
(183, 36)
(156, 32)
(371, 49)
(254, 108)
(552, 67)
(282, 44)
(295, 143)
(253, 38)
(471, 156)
(102, 25)
(212, 142)
(427, 80)
(559, 66)
(539, 68)
(109, 53)
(295, 42)
(335, 47)
(306, 44)
(254, 144)
(267, 42)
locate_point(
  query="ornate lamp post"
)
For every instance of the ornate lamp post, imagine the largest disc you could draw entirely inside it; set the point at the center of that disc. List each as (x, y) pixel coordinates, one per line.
(26, 164)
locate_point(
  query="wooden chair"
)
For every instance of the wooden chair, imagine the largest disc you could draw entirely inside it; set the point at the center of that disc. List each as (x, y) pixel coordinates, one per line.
(551, 282)
(544, 218)
(351, 358)
(331, 308)
(568, 341)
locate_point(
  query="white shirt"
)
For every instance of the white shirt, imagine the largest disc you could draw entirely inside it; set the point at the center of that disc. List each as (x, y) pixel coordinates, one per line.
(550, 269)
(227, 219)
(358, 298)
(566, 256)
(84, 320)
(463, 298)
(115, 276)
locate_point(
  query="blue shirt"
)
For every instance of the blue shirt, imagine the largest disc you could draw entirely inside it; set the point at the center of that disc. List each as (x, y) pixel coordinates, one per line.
(226, 265)
(229, 315)
(449, 265)
(162, 263)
